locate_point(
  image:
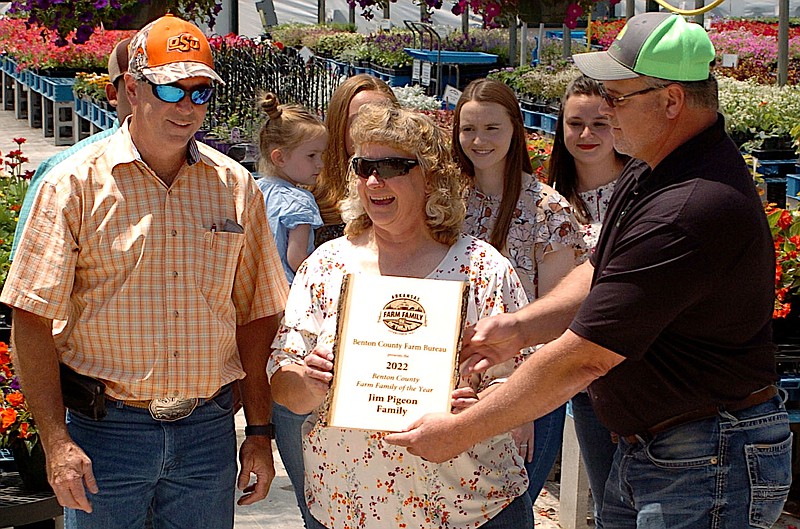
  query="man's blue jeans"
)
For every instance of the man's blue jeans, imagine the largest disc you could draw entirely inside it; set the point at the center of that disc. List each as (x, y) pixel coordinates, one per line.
(186, 469)
(731, 471)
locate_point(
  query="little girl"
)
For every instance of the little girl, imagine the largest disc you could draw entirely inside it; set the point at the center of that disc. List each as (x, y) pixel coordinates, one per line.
(291, 141)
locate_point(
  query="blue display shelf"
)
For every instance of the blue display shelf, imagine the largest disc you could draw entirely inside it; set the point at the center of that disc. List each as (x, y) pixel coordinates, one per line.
(452, 57)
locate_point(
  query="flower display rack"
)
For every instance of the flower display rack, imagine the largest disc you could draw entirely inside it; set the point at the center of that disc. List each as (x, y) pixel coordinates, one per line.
(52, 96)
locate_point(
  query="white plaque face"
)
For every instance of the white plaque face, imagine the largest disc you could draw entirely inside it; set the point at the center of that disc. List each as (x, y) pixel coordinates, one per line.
(396, 350)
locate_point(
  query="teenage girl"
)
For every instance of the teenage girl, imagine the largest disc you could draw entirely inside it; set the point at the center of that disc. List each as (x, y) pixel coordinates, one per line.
(584, 168)
(526, 220)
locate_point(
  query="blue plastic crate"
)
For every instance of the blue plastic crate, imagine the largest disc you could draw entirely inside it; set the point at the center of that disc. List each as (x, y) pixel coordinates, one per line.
(533, 120)
(792, 185)
(59, 89)
(82, 108)
(549, 123)
(775, 167)
(34, 81)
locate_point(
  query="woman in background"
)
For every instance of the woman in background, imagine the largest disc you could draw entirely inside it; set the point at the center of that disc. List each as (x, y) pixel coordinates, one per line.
(331, 186)
(526, 220)
(584, 168)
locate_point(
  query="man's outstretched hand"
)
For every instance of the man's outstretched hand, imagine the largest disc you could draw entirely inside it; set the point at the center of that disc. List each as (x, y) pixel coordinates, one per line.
(489, 342)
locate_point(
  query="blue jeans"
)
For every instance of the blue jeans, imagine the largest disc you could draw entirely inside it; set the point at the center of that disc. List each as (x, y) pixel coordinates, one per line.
(548, 434)
(597, 450)
(729, 471)
(517, 515)
(288, 437)
(185, 469)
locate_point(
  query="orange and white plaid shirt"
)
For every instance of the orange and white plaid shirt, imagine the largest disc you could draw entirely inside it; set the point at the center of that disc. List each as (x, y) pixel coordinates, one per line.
(147, 284)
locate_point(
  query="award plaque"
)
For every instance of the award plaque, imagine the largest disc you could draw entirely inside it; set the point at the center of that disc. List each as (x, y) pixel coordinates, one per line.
(396, 350)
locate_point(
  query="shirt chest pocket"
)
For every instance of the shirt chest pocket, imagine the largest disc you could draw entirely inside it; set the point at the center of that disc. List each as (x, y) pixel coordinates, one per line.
(216, 259)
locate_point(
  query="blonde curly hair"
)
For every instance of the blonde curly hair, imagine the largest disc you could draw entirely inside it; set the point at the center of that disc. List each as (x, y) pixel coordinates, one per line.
(417, 134)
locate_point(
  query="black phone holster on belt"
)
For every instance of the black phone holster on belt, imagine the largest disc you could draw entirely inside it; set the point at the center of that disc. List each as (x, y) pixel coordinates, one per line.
(83, 394)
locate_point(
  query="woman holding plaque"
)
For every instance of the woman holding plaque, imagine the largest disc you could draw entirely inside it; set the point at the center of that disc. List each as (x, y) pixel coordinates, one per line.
(526, 220)
(403, 217)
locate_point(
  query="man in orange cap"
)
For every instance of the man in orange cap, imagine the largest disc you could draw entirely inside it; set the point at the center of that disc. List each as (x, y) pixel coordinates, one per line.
(155, 255)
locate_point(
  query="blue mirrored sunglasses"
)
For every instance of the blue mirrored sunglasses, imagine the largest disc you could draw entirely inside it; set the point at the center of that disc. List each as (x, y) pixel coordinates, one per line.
(172, 94)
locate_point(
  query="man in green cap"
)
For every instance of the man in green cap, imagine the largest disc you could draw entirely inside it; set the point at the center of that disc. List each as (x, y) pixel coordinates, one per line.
(668, 323)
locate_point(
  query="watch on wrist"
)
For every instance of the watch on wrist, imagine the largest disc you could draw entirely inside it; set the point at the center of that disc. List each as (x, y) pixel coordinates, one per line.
(264, 430)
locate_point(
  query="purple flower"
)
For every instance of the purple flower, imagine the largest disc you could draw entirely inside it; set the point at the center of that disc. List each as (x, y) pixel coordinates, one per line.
(100, 4)
(82, 34)
(14, 383)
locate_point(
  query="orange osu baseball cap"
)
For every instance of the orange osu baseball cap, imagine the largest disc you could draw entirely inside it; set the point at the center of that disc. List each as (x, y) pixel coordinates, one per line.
(170, 49)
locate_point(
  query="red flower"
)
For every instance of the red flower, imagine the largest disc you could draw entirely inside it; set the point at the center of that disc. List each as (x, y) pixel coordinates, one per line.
(15, 398)
(785, 220)
(24, 431)
(19, 141)
(8, 417)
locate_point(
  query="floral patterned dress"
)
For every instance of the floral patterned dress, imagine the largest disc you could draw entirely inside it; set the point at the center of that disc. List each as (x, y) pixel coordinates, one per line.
(542, 223)
(596, 201)
(354, 479)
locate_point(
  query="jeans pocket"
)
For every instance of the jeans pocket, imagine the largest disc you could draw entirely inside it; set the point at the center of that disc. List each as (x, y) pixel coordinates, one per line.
(769, 467)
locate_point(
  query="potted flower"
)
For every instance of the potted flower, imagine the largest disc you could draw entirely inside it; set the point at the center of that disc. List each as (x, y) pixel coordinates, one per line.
(17, 428)
(785, 227)
(83, 17)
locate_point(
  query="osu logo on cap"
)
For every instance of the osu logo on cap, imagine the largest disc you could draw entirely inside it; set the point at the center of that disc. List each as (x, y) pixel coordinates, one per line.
(183, 42)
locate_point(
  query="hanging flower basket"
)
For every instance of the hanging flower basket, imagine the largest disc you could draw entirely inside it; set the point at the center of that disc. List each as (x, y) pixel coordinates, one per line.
(543, 11)
(142, 16)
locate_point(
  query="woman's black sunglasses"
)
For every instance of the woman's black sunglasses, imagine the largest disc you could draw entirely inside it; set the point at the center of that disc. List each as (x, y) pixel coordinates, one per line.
(172, 94)
(385, 167)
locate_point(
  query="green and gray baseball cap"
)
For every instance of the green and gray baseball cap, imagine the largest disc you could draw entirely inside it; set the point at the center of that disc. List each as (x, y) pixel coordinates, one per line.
(654, 44)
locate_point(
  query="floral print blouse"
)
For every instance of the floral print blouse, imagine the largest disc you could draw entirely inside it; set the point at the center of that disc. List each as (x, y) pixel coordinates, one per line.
(596, 201)
(542, 223)
(355, 480)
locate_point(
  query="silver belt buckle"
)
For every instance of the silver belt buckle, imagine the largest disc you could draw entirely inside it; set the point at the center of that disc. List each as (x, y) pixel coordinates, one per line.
(171, 409)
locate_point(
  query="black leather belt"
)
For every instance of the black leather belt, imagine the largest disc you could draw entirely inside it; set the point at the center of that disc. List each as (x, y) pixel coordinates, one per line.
(758, 397)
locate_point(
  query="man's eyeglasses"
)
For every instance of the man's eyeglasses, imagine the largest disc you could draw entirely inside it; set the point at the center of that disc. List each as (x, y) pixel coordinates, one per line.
(385, 167)
(614, 101)
(172, 94)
